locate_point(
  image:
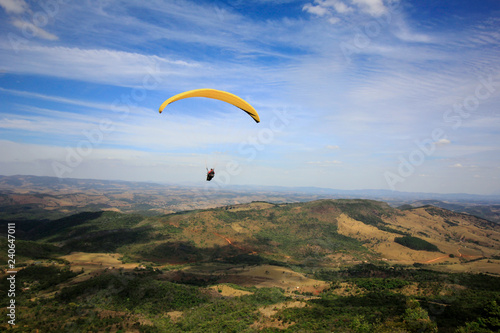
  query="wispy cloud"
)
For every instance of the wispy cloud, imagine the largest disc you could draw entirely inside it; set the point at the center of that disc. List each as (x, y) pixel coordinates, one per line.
(324, 163)
(373, 7)
(36, 31)
(335, 10)
(14, 6)
(94, 65)
(403, 74)
(443, 142)
(59, 99)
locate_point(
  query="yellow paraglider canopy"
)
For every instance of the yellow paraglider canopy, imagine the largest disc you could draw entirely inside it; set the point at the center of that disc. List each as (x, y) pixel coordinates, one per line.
(215, 94)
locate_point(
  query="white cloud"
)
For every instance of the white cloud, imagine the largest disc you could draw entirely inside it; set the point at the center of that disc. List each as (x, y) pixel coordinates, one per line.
(316, 10)
(34, 159)
(34, 30)
(67, 124)
(141, 129)
(29, 30)
(63, 100)
(18, 124)
(394, 91)
(332, 8)
(324, 163)
(405, 35)
(442, 142)
(95, 65)
(372, 7)
(14, 6)
(403, 31)
(333, 20)
(328, 9)
(340, 7)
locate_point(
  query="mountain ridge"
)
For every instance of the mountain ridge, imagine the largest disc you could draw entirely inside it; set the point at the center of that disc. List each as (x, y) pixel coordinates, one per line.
(63, 197)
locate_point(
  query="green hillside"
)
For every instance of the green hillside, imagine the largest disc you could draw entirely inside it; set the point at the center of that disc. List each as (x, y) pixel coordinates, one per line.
(298, 233)
(290, 232)
(257, 267)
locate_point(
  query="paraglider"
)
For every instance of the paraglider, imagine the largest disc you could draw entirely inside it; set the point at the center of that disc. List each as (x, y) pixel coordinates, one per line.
(215, 94)
(219, 95)
(210, 174)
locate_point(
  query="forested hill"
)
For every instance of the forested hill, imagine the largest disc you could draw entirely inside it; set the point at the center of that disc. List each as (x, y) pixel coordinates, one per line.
(324, 265)
(322, 233)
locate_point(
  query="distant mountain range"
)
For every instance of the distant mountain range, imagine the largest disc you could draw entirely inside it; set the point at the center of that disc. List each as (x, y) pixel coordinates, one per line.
(24, 194)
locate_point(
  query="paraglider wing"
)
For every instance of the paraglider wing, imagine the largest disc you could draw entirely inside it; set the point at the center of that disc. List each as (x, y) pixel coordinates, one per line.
(215, 94)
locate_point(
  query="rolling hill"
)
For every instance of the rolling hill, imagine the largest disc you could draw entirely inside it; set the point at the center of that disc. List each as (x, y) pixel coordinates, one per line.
(319, 233)
(347, 265)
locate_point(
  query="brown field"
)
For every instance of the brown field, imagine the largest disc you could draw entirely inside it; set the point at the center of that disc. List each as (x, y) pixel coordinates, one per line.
(281, 277)
(461, 246)
(292, 282)
(266, 319)
(486, 266)
(259, 276)
(95, 263)
(228, 291)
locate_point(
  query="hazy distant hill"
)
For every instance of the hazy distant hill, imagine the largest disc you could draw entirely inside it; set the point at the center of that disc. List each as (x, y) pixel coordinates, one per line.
(25, 197)
(490, 212)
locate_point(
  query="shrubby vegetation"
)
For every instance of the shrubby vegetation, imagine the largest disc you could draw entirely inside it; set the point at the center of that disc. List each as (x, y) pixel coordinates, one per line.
(488, 322)
(305, 238)
(76, 225)
(35, 278)
(367, 211)
(451, 299)
(117, 301)
(108, 240)
(135, 293)
(365, 298)
(416, 243)
(26, 250)
(372, 312)
(379, 284)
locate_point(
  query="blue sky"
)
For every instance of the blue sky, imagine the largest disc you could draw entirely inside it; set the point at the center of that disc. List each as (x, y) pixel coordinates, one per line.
(352, 94)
